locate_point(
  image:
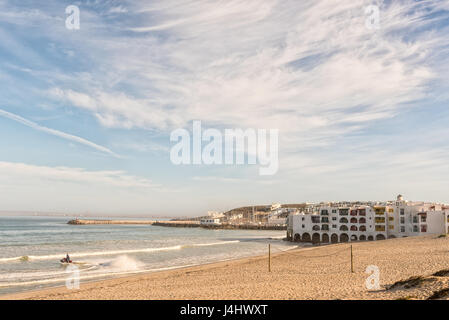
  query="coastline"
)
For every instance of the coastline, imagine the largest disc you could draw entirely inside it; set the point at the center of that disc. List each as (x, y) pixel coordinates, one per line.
(320, 272)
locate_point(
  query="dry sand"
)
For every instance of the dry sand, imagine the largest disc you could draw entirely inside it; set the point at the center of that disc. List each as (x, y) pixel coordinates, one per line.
(322, 272)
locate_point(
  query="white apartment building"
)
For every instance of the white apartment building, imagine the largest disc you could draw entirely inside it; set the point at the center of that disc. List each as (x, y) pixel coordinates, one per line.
(359, 222)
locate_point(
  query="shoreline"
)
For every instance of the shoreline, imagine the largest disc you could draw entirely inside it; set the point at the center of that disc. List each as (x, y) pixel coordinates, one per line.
(26, 293)
(319, 272)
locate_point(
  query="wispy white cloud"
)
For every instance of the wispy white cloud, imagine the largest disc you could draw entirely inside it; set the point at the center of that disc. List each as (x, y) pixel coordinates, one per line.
(56, 133)
(74, 175)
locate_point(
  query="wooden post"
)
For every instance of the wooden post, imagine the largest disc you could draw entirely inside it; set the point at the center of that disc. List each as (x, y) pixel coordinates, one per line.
(352, 261)
(269, 257)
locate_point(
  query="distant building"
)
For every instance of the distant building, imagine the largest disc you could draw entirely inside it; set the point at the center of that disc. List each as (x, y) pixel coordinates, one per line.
(357, 221)
(210, 221)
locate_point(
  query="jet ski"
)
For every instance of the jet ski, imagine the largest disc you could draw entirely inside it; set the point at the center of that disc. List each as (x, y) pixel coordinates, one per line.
(65, 261)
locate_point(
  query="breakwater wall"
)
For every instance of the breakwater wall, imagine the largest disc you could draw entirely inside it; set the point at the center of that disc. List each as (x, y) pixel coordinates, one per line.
(180, 224)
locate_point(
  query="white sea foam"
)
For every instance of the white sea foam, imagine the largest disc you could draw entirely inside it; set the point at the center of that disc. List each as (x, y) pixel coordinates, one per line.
(110, 252)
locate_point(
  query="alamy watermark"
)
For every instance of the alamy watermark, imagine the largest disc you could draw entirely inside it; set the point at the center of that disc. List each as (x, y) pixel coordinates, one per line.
(372, 21)
(373, 280)
(72, 22)
(227, 148)
(73, 278)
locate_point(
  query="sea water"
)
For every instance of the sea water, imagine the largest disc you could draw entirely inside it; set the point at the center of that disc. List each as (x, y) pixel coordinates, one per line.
(31, 248)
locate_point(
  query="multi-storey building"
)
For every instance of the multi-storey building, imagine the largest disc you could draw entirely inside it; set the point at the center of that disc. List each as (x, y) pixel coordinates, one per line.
(332, 223)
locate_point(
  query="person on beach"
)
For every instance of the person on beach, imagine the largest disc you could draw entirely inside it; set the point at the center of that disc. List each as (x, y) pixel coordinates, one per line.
(67, 258)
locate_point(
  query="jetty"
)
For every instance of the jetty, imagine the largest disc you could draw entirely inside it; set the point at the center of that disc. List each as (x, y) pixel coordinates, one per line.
(179, 224)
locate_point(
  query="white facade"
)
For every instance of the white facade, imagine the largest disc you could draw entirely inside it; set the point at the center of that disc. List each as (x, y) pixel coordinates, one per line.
(334, 223)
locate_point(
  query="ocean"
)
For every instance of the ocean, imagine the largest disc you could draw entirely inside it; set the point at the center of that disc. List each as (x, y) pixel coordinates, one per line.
(31, 248)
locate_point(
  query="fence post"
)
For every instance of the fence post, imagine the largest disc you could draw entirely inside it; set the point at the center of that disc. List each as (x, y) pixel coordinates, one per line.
(352, 261)
(269, 257)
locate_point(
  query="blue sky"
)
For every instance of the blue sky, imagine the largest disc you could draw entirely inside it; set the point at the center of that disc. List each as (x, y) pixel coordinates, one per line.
(86, 115)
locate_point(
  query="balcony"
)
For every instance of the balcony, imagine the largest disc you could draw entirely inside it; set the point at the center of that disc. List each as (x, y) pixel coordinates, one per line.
(324, 212)
(315, 219)
(379, 220)
(343, 212)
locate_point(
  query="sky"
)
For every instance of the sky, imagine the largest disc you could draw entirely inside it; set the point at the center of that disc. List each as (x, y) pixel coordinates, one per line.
(86, 114)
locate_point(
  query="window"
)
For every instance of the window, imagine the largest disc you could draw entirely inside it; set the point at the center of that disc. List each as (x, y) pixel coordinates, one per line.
(390, 219)
(423, 219)
(379, 220)
(424, 228)
(415, 228)
(334, 218)
(380, 228)
(334, 211)
(324, 220)
(402, 229)
(391, 227)
(303, 226)
(402, 220)
(324, 212)
(334, 226)
(402, 211)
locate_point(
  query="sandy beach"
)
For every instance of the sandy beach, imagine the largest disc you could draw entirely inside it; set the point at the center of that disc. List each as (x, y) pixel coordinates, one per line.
(321, 272)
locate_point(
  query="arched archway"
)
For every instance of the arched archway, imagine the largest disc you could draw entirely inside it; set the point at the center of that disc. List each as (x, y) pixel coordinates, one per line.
(353, 237)
(316, 238)
(362, 220)
(353, 220)
(343, 220)
(344, 237)
(325, 238)
(370, 238)
(343, 228)
(305, 237)
(354, 228)
(362, 238)
(362, 228)
(334, 238)
(297, 237)
(316, 228)
(380, 237)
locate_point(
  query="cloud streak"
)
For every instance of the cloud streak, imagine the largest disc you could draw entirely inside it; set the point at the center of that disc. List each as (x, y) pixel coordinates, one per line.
(56, 133)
